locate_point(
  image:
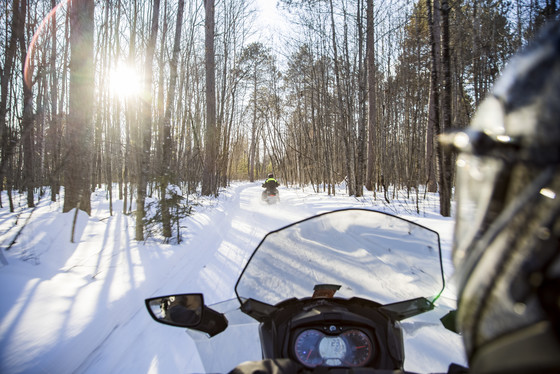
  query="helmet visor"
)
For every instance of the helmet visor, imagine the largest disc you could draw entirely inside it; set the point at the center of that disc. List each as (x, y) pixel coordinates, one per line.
(477, 178)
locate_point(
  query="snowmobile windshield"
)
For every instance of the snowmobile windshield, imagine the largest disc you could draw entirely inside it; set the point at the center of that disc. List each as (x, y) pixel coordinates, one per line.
(369, 254)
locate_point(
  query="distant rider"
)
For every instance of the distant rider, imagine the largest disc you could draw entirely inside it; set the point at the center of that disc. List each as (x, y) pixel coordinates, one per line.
(271, 185)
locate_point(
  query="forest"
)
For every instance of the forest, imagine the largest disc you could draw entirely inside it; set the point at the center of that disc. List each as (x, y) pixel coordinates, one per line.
(166, 97)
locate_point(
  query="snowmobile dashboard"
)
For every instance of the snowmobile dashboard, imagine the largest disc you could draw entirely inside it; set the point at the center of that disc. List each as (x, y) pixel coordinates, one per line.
(333, 345)
(330, 332)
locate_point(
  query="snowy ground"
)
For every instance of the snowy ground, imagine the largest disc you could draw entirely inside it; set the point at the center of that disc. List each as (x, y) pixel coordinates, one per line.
(80, 307)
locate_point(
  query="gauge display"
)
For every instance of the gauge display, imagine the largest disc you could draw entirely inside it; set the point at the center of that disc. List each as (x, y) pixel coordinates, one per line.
(350, 348)
(307, 348)
(361, 348)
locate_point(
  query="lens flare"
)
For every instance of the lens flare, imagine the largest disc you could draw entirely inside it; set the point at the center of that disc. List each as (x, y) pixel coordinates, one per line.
(125, 81)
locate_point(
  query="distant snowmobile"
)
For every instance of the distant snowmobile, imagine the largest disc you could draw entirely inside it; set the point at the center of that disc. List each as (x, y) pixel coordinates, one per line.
(270, 195)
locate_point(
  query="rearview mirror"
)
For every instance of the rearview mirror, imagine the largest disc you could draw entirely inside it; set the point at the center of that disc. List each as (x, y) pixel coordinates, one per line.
(186, 310)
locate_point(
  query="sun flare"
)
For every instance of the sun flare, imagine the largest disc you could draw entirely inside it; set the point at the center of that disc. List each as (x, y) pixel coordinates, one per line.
(125, 81)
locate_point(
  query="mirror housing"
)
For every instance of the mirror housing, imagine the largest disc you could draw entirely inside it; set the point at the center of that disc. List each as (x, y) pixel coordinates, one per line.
(186, 310)
(407, 308)
(449, 321)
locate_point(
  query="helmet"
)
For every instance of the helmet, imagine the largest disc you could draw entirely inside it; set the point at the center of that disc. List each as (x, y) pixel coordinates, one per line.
(506, 246)
(270, 175)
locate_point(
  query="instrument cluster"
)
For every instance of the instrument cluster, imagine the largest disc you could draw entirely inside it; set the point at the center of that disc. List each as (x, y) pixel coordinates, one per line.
(333, 346)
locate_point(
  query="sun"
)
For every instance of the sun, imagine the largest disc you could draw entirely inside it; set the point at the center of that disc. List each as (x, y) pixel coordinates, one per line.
(125, 81)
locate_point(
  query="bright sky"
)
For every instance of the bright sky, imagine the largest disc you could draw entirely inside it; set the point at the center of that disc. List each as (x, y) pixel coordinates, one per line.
(269, 13)
(270, 19)
(272, 25)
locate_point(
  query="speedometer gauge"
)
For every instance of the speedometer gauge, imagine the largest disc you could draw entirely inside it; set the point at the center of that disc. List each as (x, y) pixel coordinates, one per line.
(307, 347)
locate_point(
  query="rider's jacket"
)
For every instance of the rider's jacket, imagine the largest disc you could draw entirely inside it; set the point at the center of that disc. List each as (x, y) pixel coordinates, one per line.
(270, 183)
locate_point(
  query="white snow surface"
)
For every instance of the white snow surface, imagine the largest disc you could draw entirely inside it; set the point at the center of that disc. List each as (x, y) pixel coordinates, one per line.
(79, 307)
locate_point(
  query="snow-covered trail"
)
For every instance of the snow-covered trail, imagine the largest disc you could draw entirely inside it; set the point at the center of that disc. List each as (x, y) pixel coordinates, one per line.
(80, 307)
(225, 238)
(214, 257)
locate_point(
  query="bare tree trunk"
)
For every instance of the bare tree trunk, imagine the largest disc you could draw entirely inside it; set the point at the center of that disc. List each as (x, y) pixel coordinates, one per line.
(116, 126)
(209, 182)
(476, 63)
(433, 105)
(8, 144)
(361, 161)
(445, 163)
(54, 129)
(167, 144)
(79, 132)
(129, 116)
(253, 144)
(372, 110)
(146, 123)
(343, 113)
(27, 120)
(110, 137)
